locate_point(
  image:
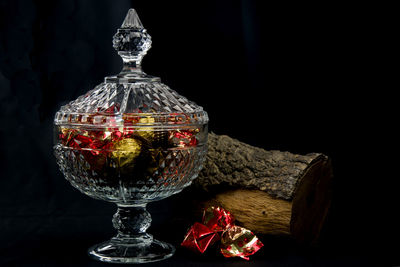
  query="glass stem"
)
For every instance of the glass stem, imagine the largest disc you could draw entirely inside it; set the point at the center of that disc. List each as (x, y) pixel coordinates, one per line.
(131, 223)
(131, 65)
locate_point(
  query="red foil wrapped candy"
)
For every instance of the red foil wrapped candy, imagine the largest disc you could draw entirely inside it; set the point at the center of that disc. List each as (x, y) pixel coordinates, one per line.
(236, 241)
(199, 237)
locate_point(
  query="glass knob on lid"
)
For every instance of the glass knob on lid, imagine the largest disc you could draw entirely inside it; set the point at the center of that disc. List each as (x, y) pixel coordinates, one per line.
(132, 43)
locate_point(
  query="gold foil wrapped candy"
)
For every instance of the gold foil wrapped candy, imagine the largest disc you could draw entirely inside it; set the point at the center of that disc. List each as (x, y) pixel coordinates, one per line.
(125, 151)
(146, 132)
(239, 242)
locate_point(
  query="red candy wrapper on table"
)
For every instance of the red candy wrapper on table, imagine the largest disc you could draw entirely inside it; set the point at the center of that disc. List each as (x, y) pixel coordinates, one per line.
(236, 241)
(217, 219)
(199, 238)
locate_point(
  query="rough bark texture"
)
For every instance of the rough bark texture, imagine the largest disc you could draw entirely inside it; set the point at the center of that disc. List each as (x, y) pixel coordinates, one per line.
(270, 192)
(233, 163)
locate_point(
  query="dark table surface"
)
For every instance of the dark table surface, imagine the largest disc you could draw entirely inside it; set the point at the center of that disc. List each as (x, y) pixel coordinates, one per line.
(64, 240)
(62, 237)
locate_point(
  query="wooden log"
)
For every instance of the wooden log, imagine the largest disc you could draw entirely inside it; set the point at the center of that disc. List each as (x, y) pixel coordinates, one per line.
(269, 192)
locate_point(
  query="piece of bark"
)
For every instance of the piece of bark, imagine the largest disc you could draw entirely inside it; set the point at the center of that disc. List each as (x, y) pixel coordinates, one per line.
(270, 192)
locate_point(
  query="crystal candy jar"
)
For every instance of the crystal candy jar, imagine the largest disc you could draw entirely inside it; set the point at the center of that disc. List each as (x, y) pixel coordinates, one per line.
(131, 140)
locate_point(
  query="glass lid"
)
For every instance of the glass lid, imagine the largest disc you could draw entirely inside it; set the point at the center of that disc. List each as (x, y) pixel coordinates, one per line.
(132, 97)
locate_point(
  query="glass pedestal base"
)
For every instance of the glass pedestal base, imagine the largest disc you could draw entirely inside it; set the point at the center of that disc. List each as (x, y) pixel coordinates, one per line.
(119, 250)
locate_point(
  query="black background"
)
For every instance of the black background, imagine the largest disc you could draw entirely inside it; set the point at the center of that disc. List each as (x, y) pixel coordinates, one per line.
(299, 78)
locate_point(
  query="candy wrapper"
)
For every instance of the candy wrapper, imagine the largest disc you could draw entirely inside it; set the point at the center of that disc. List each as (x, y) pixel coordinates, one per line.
(218, 219)
(199, 238)
(239, 242)
(128, 152)
(218, 224)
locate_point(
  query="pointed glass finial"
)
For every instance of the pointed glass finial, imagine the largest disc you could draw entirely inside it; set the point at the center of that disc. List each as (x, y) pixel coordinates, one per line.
(132, 40)
(132, 20)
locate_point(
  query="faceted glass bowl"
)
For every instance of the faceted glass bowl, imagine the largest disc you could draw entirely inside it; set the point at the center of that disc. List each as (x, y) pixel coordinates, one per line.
(132, 166)
(131, 140)
(125, 168)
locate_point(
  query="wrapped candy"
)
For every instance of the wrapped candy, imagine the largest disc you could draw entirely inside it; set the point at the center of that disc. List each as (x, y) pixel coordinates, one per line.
(236, 241)
(184, 138)
(126, 151)
(146, 132)
(199, 237)
(93, 146)
(217, 219)
(131, 150)
(239, 242)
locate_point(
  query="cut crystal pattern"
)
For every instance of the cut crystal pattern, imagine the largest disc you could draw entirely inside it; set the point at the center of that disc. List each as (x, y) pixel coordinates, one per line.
(138, 99)
(174, 173)
(131, 140)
